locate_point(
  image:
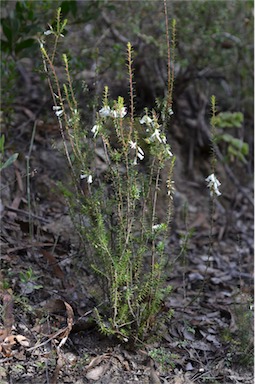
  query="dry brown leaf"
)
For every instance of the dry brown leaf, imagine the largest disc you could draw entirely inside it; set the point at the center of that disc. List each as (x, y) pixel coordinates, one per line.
(96, 373)
(126, 366)
(97, 360)
(53, 264)
(9, 340)
(16, 339)
(5, 350)
(22, 340)
(20, 355)
(154, 378)
(15, 205)
(59, 365)
(3, 335)
(70, 315)
(19, 181)
(6, 347)
(180, 378)
(8, 318)
(55, 306)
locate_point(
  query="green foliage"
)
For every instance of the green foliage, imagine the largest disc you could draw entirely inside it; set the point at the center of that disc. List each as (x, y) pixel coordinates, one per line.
(164, 358)
(236, 148)
(28, 281)
(121, 229)
(213, 37)
(10, 160)
(17, 26)
(240, 342)
(24, 21)
(22, 302)
(229, 120)
(9, 78)
(21, 23)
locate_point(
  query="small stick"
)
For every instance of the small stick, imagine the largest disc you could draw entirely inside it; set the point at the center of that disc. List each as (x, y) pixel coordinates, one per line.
(29, 214)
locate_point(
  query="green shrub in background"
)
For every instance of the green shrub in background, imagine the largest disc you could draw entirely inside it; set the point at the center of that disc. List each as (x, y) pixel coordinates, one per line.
(208, 48)
(236, 148)
(21, 22)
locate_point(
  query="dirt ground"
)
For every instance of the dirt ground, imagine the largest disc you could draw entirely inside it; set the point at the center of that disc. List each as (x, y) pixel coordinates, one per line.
(47, 291)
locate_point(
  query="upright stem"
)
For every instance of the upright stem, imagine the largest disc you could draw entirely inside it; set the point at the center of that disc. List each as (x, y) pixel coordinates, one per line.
(59, 95)
(131, 89)
(28, 180)
(169, 94)
(154, 217)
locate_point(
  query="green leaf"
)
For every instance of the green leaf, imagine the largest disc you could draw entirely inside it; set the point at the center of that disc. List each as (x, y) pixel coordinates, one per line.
(68, 6)
(245, 149)
(236, 153)
(9, 161)
(19, 8)
(2, 140)
(7, 30)
(24, 44)
(226, 137)
(6, 46)
(30, 14)
(228, 120)
(238, 144)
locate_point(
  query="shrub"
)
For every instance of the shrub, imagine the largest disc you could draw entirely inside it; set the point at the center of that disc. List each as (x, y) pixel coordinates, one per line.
(116, 214)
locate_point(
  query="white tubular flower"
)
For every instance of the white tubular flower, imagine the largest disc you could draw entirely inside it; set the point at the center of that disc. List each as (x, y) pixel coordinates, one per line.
(169, 152)
(156, 135)
(164, 139)
(146, 120)
(48, 32)
(157, 227)
(88, 177)
(58, 110)
(119, 113)
(105, 111)
(95, 130)
(140, 153)
(133, 144)
(123, 112)
(213, 183)
(59, 113)
(170, 188)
